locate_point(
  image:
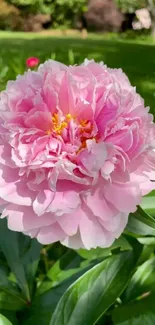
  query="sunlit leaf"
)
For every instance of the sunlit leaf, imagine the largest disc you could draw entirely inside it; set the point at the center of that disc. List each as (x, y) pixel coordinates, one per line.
(4, 320)
(92, 294)
(143, 280)
(141, 223)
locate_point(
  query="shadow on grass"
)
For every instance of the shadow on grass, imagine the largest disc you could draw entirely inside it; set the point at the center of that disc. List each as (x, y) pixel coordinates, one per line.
(137, 60)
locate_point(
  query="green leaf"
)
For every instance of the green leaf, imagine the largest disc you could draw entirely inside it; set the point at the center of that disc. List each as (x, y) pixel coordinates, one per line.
(30, 259)
(71, 57)
(4, 320)
(92, 294)
(141, 223)
(11, 300)
(148, 203)
(136, 247)
(10, 315)
(146, 254)
(44, 304)
(67, 265)
(98, 252)
(22, 255)
(138, 313)
(150, 241)
(10, 297)
(143, 280)
(40, 318)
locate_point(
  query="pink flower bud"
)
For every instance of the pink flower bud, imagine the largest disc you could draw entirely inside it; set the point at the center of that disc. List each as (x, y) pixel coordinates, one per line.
(32, 62)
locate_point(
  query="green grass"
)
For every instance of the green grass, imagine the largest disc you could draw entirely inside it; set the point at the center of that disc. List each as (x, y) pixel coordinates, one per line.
(136, 57)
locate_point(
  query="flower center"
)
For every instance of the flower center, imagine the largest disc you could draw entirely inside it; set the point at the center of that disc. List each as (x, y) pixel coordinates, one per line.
(84, 128)
(57, 125)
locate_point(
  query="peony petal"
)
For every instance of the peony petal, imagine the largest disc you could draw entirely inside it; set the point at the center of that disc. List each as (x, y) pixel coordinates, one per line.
(69, 223)
(24, 219)
(124, 197)
(116, 225)
(93, 159)
(92, 233)
(12, 190)
(42, 201)
(5, 156)
(99, 206)
(64, 203)
(74, 242)
(51, 234)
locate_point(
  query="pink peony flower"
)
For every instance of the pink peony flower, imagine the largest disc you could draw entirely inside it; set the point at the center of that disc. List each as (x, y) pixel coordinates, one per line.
(32, 62)
(76, 153)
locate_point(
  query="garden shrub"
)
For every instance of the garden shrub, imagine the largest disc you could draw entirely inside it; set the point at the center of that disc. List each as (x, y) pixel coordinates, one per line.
(9, 16)
(103, 15)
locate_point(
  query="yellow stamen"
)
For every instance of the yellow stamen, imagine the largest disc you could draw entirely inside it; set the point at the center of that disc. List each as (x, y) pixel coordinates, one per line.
(59, 127)
(68, 117)
(55, 118)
